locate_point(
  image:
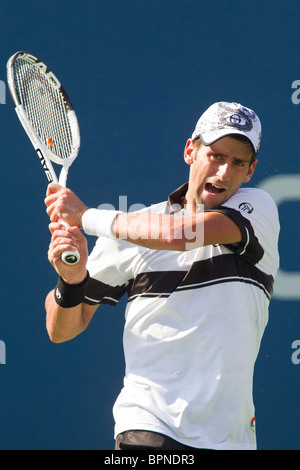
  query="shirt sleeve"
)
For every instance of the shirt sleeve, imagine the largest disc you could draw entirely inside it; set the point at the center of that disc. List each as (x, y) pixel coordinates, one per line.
(255, 213)
(110, 271)
(112, 266)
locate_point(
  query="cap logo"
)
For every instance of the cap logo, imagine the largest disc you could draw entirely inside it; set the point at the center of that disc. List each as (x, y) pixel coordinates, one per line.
(241, 120)
(235, 119)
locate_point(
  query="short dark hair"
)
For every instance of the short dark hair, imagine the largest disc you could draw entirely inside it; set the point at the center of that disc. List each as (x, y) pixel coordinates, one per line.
(240, 138)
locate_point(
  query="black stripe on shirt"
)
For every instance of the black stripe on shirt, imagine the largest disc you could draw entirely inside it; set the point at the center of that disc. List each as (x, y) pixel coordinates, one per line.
(219, 269)
(100, 293)
(156, 283)
(249, 247)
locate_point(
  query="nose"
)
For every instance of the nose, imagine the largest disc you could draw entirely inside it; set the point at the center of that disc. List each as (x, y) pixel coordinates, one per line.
(223, 171)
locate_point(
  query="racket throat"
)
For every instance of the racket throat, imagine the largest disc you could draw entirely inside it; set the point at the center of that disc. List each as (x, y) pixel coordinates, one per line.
(49, 173)
(63, 175)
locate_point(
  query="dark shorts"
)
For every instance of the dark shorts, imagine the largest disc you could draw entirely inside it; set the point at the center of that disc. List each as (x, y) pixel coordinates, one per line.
(148, 440)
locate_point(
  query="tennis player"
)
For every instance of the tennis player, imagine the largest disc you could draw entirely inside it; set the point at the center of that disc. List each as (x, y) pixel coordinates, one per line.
(197, 304)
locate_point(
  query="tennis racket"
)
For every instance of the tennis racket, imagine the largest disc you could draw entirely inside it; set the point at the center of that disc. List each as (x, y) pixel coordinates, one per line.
(48, 118)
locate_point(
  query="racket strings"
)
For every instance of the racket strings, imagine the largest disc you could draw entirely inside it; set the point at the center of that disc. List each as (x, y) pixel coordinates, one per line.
(45, 107)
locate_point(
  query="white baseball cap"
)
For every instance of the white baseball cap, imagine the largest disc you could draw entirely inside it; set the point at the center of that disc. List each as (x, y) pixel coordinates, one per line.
(224, 118)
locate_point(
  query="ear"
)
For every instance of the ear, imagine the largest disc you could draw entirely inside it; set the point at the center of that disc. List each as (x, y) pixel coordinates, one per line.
(188, 152)
(250, 172)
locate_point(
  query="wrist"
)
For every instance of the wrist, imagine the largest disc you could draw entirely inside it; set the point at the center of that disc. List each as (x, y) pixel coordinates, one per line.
(80, 225)
(70, 295)
(100, 223)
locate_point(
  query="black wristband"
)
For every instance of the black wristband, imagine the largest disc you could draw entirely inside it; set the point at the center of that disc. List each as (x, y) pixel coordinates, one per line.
(69, 295)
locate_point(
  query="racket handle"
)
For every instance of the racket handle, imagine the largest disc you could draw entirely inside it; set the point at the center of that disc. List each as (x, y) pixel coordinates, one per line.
(69, 257)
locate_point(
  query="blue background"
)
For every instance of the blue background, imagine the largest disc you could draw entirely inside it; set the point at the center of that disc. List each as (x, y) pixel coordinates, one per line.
(139, 74)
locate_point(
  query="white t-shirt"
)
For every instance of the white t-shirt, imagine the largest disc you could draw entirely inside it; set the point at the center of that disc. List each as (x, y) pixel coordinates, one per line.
(194, 324)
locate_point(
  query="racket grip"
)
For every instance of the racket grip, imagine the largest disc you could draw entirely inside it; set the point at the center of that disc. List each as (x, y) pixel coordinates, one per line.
(69, 257)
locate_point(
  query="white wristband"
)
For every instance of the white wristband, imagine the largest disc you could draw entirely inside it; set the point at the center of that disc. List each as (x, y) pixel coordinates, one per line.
(99, 222)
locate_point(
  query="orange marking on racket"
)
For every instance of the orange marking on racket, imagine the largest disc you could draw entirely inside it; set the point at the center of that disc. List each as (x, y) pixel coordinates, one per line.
(50, 142)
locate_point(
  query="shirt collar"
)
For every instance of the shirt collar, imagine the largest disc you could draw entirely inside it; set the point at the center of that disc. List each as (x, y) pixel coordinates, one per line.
(176, 198)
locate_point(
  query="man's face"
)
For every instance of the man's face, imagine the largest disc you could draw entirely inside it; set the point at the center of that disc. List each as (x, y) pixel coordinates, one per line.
(217, 171)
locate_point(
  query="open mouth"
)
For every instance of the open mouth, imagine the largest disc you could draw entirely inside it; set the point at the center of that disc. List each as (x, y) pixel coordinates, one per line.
(211, 188)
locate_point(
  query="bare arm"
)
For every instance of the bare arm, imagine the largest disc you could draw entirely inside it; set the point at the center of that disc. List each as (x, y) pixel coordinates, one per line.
(154, 231)
(64, 324)
(164, 232)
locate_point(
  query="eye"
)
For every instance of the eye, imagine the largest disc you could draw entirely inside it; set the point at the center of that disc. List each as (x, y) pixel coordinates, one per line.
(216, 156)
(239, 163)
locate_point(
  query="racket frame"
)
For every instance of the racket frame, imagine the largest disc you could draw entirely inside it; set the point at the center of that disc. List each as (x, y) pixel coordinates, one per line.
(45, 155)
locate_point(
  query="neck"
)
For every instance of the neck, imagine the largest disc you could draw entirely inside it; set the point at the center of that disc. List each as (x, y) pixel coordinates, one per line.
(191, 203)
